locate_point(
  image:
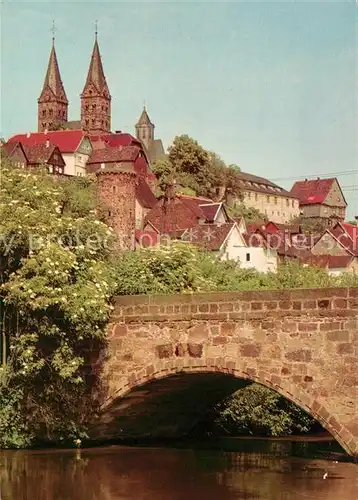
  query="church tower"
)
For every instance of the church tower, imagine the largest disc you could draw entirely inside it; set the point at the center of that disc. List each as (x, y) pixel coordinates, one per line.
(52, 103)
(95, 98)
(145, 130)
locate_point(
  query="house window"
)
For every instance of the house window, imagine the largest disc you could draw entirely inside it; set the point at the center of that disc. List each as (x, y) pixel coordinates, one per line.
(287, 203)
(87, 121)
(268, 199)
(248, 258)
(275, 200)
(293, 204)
(109, 213)
(87, 107)
(50, 112)
(93, 106)
(256, 196)
(114, 189)
(92, 122)
(44, 112)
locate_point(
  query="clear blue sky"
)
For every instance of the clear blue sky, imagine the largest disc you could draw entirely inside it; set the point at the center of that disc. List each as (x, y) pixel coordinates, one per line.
(270, 86)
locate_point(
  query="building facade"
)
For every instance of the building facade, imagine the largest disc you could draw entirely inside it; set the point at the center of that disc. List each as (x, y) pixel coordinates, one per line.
(321, 200)
(272, 201)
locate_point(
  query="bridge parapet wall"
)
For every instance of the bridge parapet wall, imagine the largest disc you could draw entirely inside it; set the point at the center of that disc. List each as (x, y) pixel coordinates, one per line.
(302, 343)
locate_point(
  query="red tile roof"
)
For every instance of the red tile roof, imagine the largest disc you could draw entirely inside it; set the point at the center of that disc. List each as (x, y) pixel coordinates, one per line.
(350, 229)
(144, 194)
(9, 147)
(194, 203)
(210, 210)
(173, 215)
(327, 261)
(209, 236)
(312, 192)
(66, 140)
(181, 213)
(116, 139)
(343, 240)
(113, 154)
(39, 153)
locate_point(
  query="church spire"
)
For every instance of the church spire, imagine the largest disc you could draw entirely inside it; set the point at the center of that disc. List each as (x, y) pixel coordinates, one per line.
(52, 103)
(95, 98)
(145, 129)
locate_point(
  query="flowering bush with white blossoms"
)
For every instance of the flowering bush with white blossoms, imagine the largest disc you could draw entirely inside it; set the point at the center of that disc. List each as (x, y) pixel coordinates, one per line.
(55, 289)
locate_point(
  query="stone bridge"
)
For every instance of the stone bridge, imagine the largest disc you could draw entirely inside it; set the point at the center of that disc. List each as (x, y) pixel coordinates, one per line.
(170, 358)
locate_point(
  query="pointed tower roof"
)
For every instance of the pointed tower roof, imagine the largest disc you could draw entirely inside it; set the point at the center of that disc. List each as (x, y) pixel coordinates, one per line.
(144, 119)
(95, 73)
(53, 77)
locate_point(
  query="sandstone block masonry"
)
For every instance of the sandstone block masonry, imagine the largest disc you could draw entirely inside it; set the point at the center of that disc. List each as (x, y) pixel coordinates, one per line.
(302, 343)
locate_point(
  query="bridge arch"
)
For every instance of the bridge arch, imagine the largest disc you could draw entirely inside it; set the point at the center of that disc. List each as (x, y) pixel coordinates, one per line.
(301, 343)
(140, 381)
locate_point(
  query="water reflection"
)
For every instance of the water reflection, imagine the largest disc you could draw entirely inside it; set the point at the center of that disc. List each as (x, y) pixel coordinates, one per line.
(117, 473)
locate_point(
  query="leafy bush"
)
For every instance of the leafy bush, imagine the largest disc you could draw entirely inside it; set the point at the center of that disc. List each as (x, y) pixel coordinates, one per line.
(56, 287)
(257, 410)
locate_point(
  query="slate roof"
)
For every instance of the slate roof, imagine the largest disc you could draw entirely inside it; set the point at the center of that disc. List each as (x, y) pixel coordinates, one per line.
(95, 73)
(144, 119)
(250, 182)
(53, 78)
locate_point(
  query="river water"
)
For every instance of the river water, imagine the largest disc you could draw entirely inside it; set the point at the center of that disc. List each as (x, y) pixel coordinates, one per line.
(130, 473)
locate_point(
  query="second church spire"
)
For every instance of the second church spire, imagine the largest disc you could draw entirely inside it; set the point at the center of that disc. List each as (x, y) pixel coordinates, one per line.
(95, 98)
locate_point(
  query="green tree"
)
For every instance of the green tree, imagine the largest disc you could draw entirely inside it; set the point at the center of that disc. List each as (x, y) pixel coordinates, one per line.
(259, 411)
(55, 300)
(190, 167)
(311, 226)
(250, 214)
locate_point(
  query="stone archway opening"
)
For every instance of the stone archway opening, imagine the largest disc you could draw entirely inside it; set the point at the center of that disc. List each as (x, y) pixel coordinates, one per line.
(171, 405)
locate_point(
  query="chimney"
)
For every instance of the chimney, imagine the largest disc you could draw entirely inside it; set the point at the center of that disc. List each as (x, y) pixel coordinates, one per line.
(118, 131)
(102, 165)
(46, 131)
(47, 143)
(28, 134)
(356, 218)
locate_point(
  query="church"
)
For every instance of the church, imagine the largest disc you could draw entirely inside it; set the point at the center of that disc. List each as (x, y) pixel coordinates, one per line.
(85, 146)
(77, 140)
(95, 119)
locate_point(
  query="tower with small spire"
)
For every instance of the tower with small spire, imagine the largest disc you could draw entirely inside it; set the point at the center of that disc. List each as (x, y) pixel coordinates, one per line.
(95, 98)
(145, 129)
(52, 103)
